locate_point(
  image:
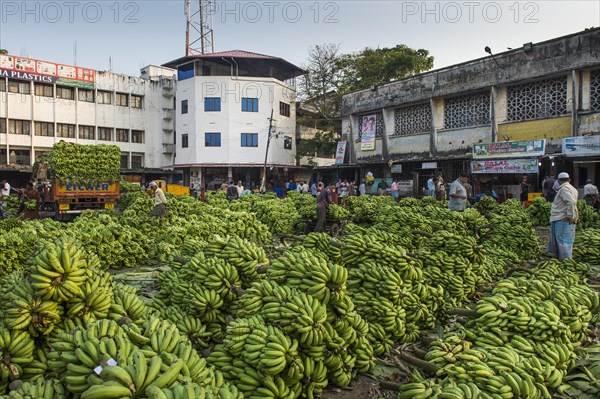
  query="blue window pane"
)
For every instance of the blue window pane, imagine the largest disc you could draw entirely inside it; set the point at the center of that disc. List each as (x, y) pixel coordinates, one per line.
(249, 104)
(212, 139)
(249, 139)
(185, 71)
(212, 104)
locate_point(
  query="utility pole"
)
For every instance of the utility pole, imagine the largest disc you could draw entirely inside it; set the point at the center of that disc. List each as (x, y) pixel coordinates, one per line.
(264, 179)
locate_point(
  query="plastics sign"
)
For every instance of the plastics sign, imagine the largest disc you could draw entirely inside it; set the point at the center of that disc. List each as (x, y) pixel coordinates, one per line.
(523, 148)
(368, 128)
(340, 152)
(45, 72)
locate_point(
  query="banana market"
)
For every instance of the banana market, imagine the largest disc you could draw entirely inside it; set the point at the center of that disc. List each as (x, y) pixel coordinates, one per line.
(228, 300)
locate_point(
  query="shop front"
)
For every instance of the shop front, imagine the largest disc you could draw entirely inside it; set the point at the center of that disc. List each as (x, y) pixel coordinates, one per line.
(500, 167)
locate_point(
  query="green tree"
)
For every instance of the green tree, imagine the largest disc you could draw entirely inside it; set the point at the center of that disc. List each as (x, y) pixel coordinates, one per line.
(330, 75)
(3, 51)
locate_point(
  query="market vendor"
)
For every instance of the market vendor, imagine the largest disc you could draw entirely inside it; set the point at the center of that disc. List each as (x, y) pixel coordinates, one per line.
(323, 201)
(31, 198)
(563, 219)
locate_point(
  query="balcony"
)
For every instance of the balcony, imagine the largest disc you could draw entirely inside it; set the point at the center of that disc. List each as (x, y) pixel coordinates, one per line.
(168, 114)
(168, 148)
(166, 84)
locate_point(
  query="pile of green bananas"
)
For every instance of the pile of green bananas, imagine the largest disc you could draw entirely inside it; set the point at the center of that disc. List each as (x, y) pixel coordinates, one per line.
(586, 247)
(588, 217)
(539, 211)
(365, 208)
(85, 164)
(337, 212)
(280, 215)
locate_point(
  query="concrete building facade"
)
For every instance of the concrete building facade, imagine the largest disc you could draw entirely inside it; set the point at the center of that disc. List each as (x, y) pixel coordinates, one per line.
(543, 91)
(38, 110)
(226, 103)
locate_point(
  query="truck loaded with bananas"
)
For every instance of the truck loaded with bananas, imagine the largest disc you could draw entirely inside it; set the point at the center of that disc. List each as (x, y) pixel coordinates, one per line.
(230, 315)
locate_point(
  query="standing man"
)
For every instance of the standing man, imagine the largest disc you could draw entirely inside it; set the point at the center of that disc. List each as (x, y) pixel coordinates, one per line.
(430, 187)
(31, 200)
(549, 186)
(590, 193)
(323, 201)
(440, 188)
(458, 194)
(160, 201)
(232, 191)
(352, 189)
(362, 188)
(524, 189)
(240, 188)
(563, 219)
(469, 190)
(4, 192)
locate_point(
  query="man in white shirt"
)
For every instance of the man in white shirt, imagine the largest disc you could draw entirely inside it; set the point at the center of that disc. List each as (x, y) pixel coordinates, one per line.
(458, 194)
(590, 193)
(563, 219)
(4, 192)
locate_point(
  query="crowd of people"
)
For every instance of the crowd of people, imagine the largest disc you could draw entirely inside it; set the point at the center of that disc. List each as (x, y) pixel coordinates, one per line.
(32, 198)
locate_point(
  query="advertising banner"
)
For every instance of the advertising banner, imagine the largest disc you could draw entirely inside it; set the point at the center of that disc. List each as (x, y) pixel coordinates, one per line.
(45, 72)
(505, 166)
(340, 152)
(523, 148)
(581, 146)
(368, 128)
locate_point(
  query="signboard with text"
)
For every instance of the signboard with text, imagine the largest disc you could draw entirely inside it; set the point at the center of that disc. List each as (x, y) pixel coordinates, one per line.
(520, 166)
(340, 152)
(45, 72)
(581, 146)
(523, 148)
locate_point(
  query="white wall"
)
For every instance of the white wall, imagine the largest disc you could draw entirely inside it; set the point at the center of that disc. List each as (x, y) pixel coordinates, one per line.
(231, 122)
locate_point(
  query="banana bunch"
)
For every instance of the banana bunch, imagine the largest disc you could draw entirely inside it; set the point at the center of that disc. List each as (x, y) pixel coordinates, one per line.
(588, 217)
(281, 216)
(337, 212)
(39, 389)
(195, 330)
(321, 242)
(586, 247)
(306, 271)
(539, 211)
(58, 271)
(127, 306)
(190, 390)
(365, 208)
(241, 253)
(205, 304)
(94, 299)
(23, 310)
(487, 206)
(16, 351)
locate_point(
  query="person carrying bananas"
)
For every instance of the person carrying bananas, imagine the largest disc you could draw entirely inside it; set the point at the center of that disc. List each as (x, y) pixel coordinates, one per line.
(160, 201)
(323, 201)
(563, 219)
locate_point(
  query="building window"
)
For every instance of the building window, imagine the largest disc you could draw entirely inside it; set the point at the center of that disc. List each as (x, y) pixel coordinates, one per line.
(2, 125)
(537, 100)
(363, 120)
(136, 101)
(249, 139)
(2, 84)
(595, 91)
(16, 126)
(287, 143)
(212, 139)
(43, 90)
(44, 129)
(184, 106)
(66, 93)
(86, 95)
(137, 136)
(212, 104)
(124, 161)
(105, 133)
(284, 109)
(104, 97)
(249, 104)
(184, 141)
(121, 100)
(412, 119)
(465, 111)
(137, 161)
(65, 130)
(14, 86)
(87, 132)
(185, 71)
(123, 135)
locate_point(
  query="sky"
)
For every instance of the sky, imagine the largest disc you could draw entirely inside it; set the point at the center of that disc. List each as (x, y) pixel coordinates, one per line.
(128, 35)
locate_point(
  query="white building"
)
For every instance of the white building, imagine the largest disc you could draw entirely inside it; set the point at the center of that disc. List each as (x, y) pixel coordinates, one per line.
(225, 104)
(42, 103)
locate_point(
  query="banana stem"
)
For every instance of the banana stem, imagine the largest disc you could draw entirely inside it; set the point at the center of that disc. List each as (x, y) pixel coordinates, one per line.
(180, 259)
(463, 312)
(262, 269)
(422, 364)
(519, 269)
(389, 386)
(423, 233)
(419, 352)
